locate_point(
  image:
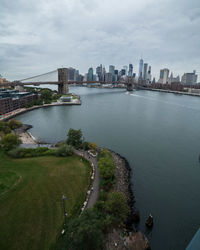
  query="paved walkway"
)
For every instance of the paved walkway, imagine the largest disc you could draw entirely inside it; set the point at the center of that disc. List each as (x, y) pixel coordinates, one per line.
(93, 198)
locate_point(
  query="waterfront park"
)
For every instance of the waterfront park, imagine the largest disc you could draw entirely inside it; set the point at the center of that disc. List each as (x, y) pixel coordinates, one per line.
(31, 189)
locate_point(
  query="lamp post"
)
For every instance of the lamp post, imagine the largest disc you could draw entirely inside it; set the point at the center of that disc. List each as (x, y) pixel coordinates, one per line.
(64, 211)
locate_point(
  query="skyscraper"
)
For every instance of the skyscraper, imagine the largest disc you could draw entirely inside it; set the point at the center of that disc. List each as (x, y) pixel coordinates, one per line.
(99, 72)
(108, 77)
(164, 76)
(123, 72)
(112, 69)
(145, 71)
(71, 73)
(149, 74)
(90, 74)
(140, 68)
(130, 70)
(126, 69)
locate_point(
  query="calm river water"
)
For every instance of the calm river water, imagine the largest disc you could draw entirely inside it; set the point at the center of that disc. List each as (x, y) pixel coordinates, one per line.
(159, 134)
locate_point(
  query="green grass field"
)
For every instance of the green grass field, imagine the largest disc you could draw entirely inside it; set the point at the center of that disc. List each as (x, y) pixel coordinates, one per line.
(31, 189)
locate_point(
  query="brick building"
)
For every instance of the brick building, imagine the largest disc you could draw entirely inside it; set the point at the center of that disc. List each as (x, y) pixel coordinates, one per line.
(13, 99)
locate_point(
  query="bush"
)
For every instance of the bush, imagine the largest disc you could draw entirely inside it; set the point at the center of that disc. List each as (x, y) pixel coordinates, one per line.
(4, 128)
(30, 152)
(106, 168)
(38, 102)
(56, 97)
(85, 145)
(64, 150)
(93, 146)
(16, 153)
(13, 124)
(10, 141)
(117, 207)
(47, 101)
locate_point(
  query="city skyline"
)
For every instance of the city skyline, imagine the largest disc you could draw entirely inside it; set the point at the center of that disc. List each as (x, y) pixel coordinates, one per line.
(37, 35)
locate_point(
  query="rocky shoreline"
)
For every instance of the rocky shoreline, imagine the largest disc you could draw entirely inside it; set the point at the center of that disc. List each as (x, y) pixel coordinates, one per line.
(125, 238)
(123, 184)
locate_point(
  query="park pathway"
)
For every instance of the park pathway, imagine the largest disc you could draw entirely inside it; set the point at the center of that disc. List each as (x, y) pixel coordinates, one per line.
(95, 192)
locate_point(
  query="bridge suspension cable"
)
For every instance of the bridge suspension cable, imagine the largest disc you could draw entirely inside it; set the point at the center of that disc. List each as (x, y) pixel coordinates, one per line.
(38, 75)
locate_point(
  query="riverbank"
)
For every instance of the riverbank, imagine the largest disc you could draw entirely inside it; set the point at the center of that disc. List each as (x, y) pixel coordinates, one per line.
(24, 135)
(171, 91)
(17, 112)
(116, 239)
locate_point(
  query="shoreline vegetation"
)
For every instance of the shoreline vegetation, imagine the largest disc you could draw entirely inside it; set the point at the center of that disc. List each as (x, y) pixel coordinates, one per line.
(113, 213)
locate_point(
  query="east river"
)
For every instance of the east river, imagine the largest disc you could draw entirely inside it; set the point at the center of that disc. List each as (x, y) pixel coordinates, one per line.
(158, 133)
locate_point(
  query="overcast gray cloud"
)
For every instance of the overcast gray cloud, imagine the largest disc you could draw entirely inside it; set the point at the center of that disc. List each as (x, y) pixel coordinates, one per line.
(38, 36)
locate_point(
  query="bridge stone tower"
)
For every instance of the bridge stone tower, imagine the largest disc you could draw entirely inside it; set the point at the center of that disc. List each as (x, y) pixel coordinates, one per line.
(130, 83)
(63, 81)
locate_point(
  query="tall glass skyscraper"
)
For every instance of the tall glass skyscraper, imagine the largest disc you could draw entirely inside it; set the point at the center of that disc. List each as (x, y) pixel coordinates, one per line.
(140, 68)
(130, 71)
(90, 74)
(145, 71)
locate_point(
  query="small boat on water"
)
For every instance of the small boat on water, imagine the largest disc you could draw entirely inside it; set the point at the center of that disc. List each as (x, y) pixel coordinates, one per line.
(149, 221)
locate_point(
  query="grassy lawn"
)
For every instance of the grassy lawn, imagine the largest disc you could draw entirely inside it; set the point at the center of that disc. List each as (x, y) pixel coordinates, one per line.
(31, 189)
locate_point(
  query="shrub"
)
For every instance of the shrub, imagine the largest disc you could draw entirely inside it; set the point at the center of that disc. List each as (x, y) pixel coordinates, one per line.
(117, 207)
(4, 128)
(47, 101)
(85, 145)
(30, 152)
(13, 124)
(10, 141)
(64, 150)
(106, 168)
(16, 153)
(38, 102)
(49, 152)
(93, 146)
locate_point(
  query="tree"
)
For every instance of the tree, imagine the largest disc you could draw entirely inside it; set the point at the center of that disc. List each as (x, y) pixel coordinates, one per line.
(117, 207)
(75, 138)
(46, 95)
(4, 128)
(84, 232)
(10, 141)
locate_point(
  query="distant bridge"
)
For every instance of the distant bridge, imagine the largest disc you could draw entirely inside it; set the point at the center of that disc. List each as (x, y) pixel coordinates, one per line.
(62, 82)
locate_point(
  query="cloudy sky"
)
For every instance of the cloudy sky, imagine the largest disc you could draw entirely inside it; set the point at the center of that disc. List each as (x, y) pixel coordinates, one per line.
(37, 36)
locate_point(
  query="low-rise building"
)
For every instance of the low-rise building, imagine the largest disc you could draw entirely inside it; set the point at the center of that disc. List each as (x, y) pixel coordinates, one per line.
(13, 99)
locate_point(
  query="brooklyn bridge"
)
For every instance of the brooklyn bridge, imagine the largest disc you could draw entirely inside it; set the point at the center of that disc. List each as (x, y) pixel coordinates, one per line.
(62, 82)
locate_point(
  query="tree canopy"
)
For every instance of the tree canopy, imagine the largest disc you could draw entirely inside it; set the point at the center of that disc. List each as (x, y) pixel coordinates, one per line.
(75, 138)
(10, 141)
(84, 232)
(117, 207)
(46, 95)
